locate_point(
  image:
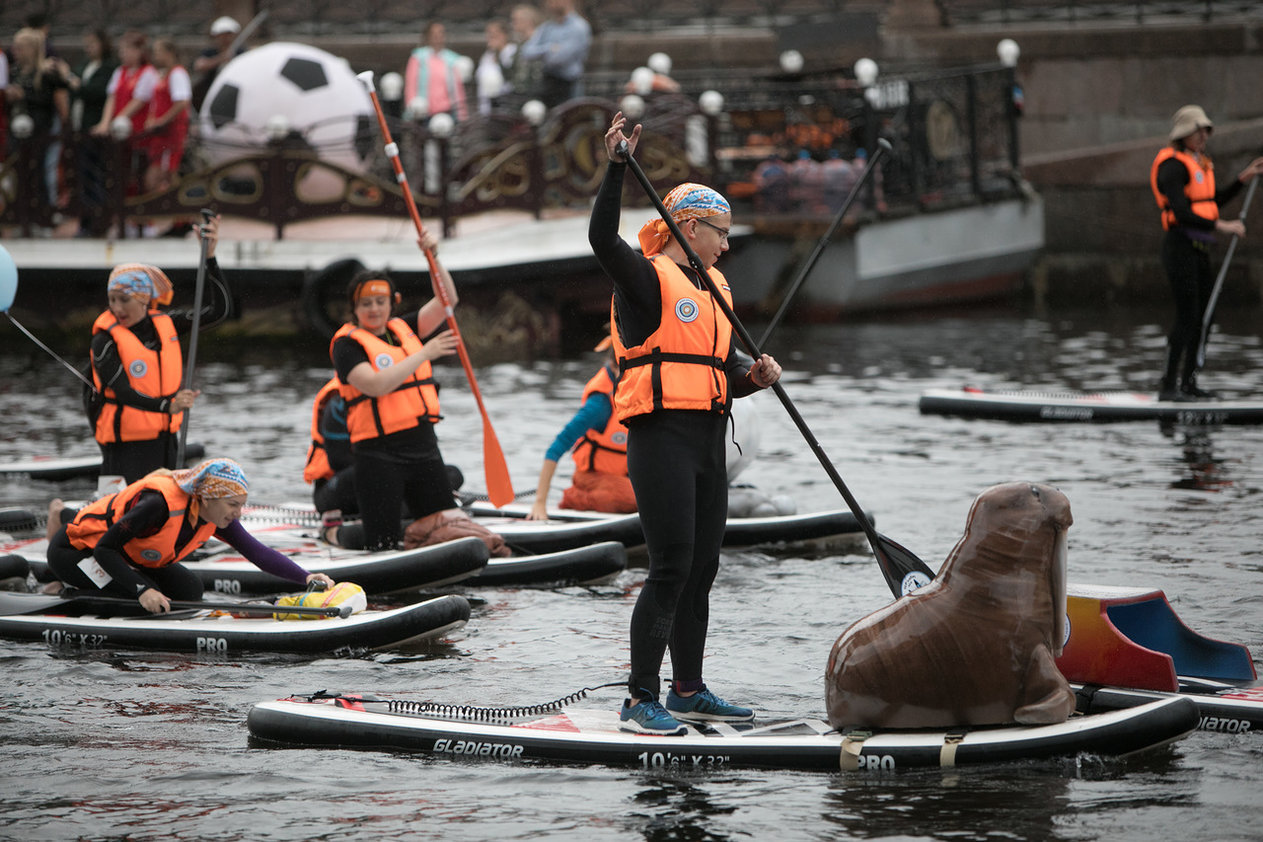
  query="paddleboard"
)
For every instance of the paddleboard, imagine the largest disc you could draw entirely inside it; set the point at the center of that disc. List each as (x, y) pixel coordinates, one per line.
(1221, 707)
(567, 527)
(1053, 406)
(223, 570)
(66, 623)
(592, 736)
(88, 466)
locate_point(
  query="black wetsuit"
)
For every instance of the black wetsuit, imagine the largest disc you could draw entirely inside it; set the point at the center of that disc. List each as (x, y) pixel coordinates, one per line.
(676, 462)
(1186, 261)
(134, 459)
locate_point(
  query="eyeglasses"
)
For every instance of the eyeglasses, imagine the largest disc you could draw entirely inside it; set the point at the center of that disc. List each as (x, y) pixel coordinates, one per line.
(723, 232)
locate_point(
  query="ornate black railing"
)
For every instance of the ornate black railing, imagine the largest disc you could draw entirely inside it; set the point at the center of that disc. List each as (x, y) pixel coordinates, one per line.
(954, 138)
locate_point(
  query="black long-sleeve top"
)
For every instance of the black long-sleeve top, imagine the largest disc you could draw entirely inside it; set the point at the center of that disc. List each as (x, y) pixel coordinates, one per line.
(109, 365)
(637, 293)
(150, 513)
(1173, 178)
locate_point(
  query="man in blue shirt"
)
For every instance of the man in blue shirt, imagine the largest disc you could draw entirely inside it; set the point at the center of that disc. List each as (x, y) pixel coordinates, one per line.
(561, 44)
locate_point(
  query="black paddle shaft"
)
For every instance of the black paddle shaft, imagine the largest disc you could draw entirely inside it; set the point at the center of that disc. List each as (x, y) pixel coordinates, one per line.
(897, 563)
(207, 215)
(883, 146)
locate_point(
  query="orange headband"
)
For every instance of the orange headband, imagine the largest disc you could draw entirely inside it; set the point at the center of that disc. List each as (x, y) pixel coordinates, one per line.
(376, 287)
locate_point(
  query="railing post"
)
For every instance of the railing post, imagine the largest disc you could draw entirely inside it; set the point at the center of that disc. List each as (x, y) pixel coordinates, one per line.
(971, 99)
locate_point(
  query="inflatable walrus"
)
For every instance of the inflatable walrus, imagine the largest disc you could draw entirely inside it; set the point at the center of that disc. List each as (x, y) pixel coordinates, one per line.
(977, 645)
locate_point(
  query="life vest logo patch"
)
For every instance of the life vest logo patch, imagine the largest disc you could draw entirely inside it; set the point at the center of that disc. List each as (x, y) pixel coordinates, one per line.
(137, 368)
(686, 310)
(151, 555)
(384, 360)
(619, 438)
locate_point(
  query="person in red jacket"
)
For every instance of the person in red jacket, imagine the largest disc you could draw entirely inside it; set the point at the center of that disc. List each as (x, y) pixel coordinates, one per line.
(1182, 178)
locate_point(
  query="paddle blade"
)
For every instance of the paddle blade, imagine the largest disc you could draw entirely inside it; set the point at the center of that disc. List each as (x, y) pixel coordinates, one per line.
(904, 572)
(499, 487)
(8, 280)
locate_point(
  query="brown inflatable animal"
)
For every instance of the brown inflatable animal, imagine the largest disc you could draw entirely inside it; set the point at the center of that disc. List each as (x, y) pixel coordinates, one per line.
(977, 645)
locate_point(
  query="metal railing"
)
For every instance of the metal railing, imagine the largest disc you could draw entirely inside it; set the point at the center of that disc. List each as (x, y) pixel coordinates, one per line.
(954, 138)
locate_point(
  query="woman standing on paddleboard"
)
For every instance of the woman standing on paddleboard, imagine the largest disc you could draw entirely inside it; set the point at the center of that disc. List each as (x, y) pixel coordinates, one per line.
(130, 543)
(138, 368)
(678, 375)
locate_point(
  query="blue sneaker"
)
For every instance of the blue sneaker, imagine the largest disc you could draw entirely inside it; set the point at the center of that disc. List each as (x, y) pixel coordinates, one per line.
(649, 717)
(705, 706)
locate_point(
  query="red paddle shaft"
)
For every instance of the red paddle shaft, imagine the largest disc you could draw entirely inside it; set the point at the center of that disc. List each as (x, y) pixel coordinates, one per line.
(499, 487)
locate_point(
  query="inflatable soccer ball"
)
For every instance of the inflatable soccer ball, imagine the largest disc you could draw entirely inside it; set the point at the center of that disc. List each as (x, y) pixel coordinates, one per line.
(312, 92)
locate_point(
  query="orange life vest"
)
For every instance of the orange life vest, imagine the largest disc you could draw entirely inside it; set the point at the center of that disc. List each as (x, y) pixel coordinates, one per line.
(681, 364)
(156, 550)
(603, 451)
(318, 466)
(1200, 189)
(154, 374)
(412, 402)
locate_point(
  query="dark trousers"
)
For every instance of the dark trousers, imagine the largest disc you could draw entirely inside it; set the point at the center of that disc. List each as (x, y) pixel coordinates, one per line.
(134, 459)
(1187, 266)
(676, 461)
(175, 581)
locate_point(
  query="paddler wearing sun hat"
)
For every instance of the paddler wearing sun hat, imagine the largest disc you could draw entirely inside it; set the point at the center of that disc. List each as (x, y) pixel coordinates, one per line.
(678, 375)
(1182, 178)
(138, 367)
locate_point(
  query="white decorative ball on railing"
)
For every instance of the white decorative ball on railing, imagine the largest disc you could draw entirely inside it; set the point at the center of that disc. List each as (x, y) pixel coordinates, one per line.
(865, 71)
(660, 63)
(632, 106)
(277, 127)
(711, 102)
(442, 125)
(534, 111)
(121, 128)
(464, 67)
(391, 85)
(23, 125)
(418, 108)
(642, 80)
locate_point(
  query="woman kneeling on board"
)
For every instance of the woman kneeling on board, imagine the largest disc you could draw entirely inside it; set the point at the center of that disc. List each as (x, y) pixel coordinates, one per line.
(129, 543)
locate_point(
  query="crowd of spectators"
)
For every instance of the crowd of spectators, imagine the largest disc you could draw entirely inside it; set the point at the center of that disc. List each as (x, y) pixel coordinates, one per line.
(128, 103)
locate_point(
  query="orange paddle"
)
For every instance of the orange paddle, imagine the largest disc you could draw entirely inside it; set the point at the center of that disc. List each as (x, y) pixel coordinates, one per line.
(499, 488)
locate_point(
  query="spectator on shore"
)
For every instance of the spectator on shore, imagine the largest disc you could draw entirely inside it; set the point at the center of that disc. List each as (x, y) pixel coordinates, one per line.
(223, 31)
(561, 44)
(168, 116)
(130, 89)
(432, 79)
(88, 82)
(527, 74)
(491, 75)
(39, 104)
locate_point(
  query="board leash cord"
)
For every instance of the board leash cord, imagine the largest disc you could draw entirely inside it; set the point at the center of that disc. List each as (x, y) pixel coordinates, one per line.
(476, 713)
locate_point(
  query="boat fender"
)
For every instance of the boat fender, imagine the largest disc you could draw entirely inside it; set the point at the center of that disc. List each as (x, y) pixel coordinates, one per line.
(342, 594)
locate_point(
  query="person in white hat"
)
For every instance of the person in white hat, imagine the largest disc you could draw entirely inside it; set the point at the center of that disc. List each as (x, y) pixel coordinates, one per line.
(223, 31)
(1182, 178)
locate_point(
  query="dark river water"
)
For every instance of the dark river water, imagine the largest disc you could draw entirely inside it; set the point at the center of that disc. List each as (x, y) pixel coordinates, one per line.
(129, 745)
